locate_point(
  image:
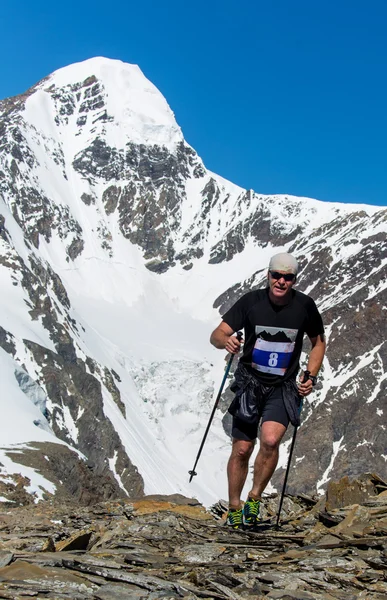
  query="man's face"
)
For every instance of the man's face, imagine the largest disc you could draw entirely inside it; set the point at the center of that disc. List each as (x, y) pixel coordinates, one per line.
(280, 284)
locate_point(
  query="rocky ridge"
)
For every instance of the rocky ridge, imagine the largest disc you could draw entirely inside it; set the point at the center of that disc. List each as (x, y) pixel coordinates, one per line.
(170, 547)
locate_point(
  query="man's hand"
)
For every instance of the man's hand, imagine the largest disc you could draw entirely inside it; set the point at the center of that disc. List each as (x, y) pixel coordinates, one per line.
(304, 389)
(314, 363)
(233, 345)
(223, 337)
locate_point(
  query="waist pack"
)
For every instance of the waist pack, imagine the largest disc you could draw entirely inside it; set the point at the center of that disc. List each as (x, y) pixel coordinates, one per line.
(251, 395)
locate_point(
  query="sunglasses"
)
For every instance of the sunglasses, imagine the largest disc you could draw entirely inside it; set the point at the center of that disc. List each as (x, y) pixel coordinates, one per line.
(286, 276)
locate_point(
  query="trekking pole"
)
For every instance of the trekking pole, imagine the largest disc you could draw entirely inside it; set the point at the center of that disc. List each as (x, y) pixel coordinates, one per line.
(193, 472)
(304, 380)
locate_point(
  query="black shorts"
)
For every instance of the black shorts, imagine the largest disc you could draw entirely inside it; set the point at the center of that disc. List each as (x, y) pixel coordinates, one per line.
(273, 410)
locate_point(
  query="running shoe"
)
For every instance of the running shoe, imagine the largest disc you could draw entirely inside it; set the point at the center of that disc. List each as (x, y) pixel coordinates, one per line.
(251, 512)
(234, 518)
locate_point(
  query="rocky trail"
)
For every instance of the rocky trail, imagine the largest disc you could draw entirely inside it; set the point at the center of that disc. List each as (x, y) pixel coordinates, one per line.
(333, 547)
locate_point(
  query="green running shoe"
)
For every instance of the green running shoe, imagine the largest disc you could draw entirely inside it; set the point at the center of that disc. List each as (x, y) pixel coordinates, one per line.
(234, 518)
(251, 512)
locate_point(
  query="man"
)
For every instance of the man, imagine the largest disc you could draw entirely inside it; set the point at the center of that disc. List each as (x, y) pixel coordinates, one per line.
(274, 320)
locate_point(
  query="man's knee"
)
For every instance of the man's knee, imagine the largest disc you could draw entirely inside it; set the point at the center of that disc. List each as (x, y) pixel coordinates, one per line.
(270, 444)
(271, 436)
(242, 449)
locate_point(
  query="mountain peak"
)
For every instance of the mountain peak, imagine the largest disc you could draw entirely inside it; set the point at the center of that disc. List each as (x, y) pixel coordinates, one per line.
(113, 91)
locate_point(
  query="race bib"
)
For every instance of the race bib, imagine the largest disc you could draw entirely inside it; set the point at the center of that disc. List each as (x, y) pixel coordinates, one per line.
(273, 349)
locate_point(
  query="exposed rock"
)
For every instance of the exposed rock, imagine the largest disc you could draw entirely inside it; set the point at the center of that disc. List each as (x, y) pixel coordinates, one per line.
(77, 541)
(162, 549)
(72, 477)
(110, 198)
(88, 199)
(346, 492)
(6, 341)
(75, 248)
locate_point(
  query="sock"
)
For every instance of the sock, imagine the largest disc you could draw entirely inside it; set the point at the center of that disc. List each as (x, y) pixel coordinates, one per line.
(254, 497)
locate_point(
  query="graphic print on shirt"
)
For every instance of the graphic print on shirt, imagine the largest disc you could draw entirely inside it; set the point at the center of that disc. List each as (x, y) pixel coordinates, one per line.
(273, 349)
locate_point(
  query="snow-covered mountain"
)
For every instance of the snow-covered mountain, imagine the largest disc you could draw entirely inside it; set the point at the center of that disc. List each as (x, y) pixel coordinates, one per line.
(119, 251)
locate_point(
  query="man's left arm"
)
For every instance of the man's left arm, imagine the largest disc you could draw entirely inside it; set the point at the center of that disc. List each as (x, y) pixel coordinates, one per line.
(316, 356)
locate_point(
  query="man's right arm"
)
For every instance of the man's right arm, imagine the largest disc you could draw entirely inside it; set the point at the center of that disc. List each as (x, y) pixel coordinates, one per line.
(222, 337)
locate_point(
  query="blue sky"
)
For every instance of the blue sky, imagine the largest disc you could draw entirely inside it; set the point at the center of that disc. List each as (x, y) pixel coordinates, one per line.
(281, 96)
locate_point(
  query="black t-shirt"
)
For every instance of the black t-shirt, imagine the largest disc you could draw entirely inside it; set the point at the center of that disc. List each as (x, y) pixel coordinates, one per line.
(274, 333)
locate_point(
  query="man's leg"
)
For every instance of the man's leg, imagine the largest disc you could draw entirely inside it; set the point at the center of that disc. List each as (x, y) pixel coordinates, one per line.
(237, 470)
(267, 457)
(275, 421)
(244, 436)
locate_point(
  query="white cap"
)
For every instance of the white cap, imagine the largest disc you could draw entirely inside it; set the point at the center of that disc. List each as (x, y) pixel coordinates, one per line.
(283, 262)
